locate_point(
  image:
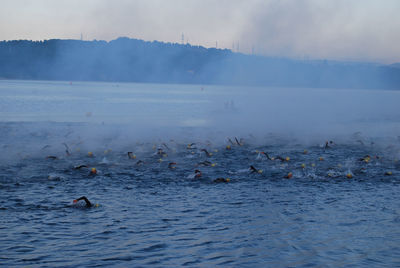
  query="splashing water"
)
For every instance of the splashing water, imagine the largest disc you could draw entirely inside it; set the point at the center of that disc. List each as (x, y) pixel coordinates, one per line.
(153, 212)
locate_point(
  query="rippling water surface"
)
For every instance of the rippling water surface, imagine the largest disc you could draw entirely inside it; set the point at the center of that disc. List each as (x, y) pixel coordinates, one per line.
(339, 207)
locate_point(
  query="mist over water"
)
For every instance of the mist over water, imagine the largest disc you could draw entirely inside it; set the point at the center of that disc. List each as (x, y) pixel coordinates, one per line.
(284, 196)
(193, 155)
(122, 114)
(161, 111)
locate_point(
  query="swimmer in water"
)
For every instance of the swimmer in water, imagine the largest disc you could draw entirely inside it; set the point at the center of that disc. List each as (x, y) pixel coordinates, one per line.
(67, 149)
(289, 175)
(219, 180)
(93, 172)
(207, 153)
(88, 204)
(190, 146)
(365, 159)
(172, 165)
(253, 169)
(237, 142)
(328, 144)
(280, 158)
(266, 155)
(165, 145)
(196, 174)
(229, 139)
(131, 155)
(52, 157)
(81, 166)
(160, 152)
(205, 163)
(44, 147)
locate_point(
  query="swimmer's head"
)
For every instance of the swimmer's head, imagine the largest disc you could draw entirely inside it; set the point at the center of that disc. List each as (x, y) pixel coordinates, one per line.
(197, 173)
(131, 155)
(93, 171)
(172, 165)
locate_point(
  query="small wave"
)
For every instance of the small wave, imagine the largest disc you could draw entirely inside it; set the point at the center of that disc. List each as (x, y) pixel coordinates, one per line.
(154, 248)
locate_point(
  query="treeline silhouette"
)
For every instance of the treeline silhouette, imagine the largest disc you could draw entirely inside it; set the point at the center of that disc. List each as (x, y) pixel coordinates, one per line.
(132, 60)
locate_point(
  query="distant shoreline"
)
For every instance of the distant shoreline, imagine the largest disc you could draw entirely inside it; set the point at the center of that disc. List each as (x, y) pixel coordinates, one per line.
(133, 60)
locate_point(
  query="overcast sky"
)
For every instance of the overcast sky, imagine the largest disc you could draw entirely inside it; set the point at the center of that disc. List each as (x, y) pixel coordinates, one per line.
(367, 30)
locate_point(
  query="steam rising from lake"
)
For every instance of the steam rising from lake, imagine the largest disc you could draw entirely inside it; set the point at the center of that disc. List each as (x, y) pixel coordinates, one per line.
(125, 113)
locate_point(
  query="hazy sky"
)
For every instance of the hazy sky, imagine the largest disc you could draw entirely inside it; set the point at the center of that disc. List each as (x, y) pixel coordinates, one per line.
(334, 29)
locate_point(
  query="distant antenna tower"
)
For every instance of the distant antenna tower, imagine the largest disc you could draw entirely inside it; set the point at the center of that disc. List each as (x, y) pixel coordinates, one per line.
(183, 39)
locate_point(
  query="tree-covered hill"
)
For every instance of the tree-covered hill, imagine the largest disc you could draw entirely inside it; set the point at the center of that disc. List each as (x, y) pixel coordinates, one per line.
(132, 60)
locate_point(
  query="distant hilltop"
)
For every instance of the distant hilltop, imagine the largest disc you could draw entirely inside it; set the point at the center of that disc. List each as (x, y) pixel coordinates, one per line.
(133, 60)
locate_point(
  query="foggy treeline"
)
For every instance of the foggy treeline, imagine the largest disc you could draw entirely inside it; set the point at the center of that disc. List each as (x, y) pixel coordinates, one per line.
(132, 60)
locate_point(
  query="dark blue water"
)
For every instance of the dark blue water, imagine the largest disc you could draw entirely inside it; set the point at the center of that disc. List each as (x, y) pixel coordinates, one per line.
(339, 207)
(150, 214)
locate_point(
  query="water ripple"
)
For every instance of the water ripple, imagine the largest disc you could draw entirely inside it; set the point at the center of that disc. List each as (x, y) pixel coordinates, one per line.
(154, 215)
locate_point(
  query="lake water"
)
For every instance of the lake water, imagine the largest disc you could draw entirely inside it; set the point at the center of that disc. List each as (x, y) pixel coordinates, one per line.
(339, 207)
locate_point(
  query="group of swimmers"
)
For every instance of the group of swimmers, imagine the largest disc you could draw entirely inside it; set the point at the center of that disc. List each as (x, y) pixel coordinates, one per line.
(161, 153)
